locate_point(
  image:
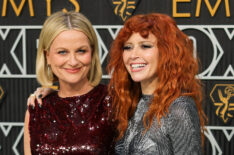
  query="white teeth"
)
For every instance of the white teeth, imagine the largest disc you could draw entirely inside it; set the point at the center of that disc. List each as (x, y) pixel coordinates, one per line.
(137, 65)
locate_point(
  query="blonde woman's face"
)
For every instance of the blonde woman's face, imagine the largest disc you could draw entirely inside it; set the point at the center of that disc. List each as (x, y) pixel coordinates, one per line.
(70, 57)
(140, 57)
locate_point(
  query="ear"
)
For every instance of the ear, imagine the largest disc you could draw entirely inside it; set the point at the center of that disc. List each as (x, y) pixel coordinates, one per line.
(47, 54)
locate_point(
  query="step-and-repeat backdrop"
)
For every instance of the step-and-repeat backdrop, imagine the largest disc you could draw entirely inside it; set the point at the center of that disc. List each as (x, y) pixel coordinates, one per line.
(209, 23)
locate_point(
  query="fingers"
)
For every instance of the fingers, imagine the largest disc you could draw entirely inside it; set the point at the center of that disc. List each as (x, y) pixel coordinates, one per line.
(39, 100)
(38, 93)
(42, 92)
(35, 96)
(31, 100)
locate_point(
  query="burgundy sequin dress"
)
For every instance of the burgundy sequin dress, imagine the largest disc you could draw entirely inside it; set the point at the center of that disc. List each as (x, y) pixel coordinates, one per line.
(73, 125)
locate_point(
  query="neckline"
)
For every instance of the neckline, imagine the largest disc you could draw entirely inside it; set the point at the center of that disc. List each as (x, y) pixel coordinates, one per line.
(147, 97)
(79, 96)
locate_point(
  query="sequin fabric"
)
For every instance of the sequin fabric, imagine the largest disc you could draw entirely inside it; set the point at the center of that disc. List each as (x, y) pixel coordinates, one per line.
(77, 125)
(179, 133)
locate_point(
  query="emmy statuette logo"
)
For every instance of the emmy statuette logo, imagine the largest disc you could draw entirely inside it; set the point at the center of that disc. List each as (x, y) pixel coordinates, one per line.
(222, 96)
(124, 8)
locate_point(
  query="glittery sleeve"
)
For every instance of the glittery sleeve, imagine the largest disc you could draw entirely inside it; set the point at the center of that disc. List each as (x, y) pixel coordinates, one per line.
(184, 127)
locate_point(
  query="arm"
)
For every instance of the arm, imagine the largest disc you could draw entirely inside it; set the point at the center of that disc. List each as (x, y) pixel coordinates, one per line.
(184, 127)
(27, 149)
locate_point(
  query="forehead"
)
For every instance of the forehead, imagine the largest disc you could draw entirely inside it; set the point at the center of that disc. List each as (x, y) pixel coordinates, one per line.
(136, 37)
(70, 38)
(71, 34)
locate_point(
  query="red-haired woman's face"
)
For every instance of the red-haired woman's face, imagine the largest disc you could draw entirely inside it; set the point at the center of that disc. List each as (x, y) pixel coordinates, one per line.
(140, 57)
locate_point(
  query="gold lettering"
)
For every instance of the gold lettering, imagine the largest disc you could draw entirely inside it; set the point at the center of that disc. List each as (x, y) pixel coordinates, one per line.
(4, 6)
(214, 9)
(17, 9)
(76, 4)
(198, 8)
(175, 13)
(31, 8)
(48, 3)
(227, 8)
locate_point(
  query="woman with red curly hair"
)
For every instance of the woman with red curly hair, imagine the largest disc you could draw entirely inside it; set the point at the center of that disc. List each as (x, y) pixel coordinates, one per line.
(156, 95)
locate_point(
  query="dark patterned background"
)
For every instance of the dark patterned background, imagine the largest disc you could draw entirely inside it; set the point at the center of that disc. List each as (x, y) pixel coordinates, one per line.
(210, 25)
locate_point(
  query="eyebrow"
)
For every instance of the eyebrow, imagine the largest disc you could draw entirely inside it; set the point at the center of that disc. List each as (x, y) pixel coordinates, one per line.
(63, 48)
(140, 42)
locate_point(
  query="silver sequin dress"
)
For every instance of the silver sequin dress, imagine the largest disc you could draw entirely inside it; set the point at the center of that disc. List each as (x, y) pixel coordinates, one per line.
(179, 133)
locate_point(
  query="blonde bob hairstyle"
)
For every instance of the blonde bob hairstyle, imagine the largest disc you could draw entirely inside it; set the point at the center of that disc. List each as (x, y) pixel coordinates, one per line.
(54, 25)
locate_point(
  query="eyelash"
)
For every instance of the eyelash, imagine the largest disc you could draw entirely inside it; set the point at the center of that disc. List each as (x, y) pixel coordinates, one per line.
(146, 46)
(142, 46)
(127, 48)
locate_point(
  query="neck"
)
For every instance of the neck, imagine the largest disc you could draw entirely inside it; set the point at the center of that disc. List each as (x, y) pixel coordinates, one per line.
(148, 87)
(69, 90)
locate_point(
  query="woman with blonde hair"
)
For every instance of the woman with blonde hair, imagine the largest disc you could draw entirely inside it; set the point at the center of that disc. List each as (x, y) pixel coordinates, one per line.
(76, 118)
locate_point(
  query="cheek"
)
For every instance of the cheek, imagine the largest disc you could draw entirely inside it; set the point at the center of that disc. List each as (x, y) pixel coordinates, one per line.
(154, 60)
(56, 60)
(157, 58)
(153, 56)
(86, 59)
(125, 58)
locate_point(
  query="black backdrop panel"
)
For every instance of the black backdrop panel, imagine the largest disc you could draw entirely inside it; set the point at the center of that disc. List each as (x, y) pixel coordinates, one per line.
(209, 23)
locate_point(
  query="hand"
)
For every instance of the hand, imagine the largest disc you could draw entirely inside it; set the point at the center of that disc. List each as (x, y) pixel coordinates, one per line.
(38, 95)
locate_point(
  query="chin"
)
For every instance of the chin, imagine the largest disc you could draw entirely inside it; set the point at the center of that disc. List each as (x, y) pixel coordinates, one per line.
(137, 79)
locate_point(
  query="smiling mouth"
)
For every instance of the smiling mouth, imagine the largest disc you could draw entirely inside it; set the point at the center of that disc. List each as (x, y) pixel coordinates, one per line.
(72, 70)
(137, 67)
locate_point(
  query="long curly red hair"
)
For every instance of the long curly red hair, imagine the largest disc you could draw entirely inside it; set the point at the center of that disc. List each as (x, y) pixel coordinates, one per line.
(176, 71)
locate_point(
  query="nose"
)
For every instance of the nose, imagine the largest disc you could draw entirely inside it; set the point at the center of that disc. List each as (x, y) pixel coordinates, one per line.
(73, 61)
(134, 53)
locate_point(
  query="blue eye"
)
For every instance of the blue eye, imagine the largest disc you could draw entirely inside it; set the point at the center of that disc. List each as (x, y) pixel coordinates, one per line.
(81, 51)
(62, 52)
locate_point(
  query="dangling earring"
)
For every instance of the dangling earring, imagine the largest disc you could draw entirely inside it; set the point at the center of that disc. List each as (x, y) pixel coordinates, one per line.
(50, 73)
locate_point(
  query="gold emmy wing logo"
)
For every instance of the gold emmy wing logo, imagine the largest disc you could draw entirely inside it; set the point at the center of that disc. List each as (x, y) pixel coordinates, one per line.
(124, 8)
(222, 96)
